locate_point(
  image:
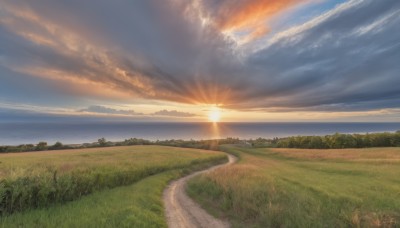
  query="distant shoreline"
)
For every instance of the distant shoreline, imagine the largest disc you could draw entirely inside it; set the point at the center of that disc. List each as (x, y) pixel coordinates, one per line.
(333, 141)
(79, 133)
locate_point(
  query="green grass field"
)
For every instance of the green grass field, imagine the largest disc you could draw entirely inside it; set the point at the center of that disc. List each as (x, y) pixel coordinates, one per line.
(99, 187)
(305, 188)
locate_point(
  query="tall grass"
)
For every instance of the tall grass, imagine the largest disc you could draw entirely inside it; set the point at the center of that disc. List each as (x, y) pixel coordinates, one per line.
(305, 188)
(37, 180)
(136, 205)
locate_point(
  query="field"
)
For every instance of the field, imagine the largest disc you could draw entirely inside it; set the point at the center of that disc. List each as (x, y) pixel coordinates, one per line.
(305, 188)
(99, 187)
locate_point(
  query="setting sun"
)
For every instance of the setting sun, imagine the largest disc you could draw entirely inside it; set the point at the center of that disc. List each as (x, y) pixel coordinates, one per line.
(214, 115)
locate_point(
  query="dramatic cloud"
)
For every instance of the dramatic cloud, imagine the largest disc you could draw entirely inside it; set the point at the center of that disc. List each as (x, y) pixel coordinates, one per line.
(345, 59)
(146, 50)
(174, 113)
(245, 16)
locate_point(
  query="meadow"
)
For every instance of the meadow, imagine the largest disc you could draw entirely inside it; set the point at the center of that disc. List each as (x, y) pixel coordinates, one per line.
(279, 187)
(36, 188)
(135, 205)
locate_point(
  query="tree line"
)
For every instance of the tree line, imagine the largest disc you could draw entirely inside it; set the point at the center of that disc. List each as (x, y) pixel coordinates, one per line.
(340, 141)
(335, 141)
(102, 142)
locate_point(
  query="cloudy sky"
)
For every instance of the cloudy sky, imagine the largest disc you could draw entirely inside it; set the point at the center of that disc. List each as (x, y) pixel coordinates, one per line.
(175, 60)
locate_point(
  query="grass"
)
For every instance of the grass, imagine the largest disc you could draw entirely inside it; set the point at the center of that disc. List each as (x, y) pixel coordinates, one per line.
(41, 179)
(305, 188)
(136, 205)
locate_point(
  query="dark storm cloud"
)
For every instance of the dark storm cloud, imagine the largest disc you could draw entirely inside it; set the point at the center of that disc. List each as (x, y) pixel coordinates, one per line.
(344, 60)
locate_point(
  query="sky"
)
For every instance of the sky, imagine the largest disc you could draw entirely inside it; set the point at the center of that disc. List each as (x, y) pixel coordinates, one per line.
(179, 60)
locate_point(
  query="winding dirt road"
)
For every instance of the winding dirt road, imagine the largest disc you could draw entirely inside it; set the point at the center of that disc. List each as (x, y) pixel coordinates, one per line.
(182, 211)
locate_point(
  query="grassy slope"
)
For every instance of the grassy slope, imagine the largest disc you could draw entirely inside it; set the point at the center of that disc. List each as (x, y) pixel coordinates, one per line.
(39, 179)
(15, 165)
(305, 188)
(137, 205)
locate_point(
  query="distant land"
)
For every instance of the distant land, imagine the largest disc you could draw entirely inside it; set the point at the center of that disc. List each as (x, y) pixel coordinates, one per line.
(81, 132)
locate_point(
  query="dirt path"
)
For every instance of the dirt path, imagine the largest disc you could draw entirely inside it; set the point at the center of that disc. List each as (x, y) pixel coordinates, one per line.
(182, 211)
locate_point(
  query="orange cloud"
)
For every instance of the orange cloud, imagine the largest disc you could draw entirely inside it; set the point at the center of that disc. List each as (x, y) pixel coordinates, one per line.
(250, 15)
(255, 34)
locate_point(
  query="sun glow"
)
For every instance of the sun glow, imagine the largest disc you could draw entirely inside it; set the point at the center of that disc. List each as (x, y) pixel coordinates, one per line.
(214, 115)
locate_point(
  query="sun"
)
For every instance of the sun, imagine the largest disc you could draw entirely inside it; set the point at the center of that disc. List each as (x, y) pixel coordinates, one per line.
(214, 115)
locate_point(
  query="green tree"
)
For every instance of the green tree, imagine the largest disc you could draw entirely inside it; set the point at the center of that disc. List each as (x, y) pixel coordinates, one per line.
(41, 146)
(102, 142)
(57, 146)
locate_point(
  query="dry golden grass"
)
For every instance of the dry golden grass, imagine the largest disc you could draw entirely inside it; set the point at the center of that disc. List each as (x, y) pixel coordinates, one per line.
(14, 165)
(387, 153)
(305, 188)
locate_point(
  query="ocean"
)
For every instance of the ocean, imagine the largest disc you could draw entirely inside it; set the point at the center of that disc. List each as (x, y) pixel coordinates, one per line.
(83, 132)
